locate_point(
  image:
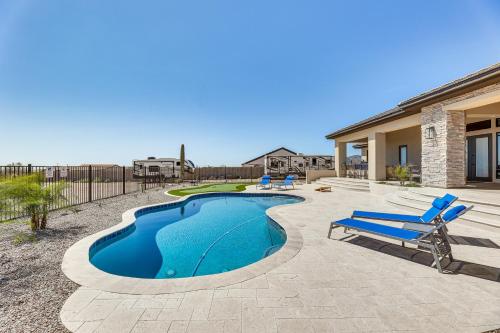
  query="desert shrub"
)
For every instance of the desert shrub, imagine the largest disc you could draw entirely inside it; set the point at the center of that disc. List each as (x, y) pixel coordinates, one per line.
(30, 195)
(402, 173)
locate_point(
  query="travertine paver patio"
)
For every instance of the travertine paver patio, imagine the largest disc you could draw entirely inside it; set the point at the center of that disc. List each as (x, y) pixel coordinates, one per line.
(330, 285)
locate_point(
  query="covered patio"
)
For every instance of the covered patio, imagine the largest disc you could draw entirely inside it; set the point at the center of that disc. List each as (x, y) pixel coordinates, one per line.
(382, 148)
(482, 146)
(448, 136)
(460, 144)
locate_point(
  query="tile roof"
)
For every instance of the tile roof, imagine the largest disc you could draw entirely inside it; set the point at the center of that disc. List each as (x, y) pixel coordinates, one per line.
(465, 81)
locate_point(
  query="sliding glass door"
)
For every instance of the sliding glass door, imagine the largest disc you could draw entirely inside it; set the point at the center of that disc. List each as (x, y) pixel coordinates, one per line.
(479, 157)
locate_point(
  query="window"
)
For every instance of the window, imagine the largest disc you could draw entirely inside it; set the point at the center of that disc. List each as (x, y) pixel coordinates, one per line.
(154, 168)
(498, 122)
(314, 161)
(403, 155)
(178, 163)
(301, 165)
(479, 125)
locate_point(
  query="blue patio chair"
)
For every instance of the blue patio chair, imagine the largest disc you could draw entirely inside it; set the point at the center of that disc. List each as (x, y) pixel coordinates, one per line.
(287, 182)
(429, 236)
(265, 182)
(438, 206)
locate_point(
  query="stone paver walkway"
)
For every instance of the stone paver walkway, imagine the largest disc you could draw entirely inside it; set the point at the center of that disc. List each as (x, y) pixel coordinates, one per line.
(329, 286)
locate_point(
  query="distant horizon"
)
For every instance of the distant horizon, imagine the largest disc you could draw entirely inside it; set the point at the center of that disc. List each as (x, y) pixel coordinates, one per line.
(92, 82)
(131, 162)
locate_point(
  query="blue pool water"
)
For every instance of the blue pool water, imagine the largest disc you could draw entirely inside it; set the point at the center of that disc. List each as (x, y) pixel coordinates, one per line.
(206, 234)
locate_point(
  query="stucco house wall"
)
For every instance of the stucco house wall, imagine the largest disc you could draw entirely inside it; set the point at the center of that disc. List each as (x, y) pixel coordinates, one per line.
(409, 137)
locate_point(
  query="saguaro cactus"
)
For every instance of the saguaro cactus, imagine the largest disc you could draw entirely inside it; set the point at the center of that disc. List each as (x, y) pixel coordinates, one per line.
(183, 158)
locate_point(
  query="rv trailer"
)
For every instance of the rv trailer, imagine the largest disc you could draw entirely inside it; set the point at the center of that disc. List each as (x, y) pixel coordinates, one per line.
(164, 167)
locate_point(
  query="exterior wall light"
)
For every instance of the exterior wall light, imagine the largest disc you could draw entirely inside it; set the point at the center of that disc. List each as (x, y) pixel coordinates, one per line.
(430, 133)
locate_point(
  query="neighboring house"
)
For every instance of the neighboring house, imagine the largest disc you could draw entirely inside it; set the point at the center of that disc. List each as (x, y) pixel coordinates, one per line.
(261, 160)
(363, 148)
(166, 167)
(451, 134)
(283, 161)
(354, 160)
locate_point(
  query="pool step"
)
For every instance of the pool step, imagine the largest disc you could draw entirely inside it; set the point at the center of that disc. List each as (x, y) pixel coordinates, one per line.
(480, 197)
(345, 183)
(480, 209)
(484, 216)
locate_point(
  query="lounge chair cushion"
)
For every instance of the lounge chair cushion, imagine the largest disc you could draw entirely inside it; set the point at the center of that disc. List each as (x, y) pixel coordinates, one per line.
(379, 229)
(450, 198)
(440, 203)
(453, 213)
(387, 216)
(431, 214)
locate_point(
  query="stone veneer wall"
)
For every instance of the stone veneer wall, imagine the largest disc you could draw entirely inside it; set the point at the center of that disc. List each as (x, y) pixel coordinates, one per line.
(443, 158)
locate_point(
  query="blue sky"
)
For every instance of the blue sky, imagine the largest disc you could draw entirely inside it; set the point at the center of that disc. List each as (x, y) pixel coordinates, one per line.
(102, 81)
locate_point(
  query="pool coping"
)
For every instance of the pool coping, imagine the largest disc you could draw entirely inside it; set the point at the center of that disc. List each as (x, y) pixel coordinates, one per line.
(78, 268)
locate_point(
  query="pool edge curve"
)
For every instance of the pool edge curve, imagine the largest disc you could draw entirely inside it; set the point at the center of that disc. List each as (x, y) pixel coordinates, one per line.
(77, 267)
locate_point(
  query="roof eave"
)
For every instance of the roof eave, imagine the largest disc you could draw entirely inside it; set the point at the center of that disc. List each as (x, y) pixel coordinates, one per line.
(452, 87)
(363, 125)
(273, 151)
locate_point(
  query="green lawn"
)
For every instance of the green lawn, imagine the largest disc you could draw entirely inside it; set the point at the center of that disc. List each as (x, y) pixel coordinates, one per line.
(229, 187)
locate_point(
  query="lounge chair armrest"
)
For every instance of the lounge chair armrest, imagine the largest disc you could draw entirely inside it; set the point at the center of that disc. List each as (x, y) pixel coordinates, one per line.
(424, 227)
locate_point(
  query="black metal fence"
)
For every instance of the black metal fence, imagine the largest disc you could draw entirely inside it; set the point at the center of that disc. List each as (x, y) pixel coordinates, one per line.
(83, 184)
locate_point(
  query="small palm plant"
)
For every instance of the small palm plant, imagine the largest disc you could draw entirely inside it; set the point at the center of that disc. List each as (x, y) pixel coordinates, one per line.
(52, 195)
(402, 174)
(31, 196)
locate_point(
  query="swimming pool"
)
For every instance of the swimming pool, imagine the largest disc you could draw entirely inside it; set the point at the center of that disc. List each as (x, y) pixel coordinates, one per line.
(205, 234)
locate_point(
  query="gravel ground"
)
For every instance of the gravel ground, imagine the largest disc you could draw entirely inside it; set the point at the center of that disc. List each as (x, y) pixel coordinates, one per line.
(32, 286)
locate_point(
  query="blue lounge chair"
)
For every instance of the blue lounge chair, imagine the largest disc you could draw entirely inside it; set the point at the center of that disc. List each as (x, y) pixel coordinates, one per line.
(438, 206)
(287, 182)
(265, 182)
(432, 237)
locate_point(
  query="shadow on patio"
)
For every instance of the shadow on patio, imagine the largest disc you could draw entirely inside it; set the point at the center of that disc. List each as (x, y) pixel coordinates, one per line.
(473, 241)
(425, 258)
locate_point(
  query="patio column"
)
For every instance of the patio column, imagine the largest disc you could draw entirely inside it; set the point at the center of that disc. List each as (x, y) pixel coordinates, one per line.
(443, 147)
(340, 157)
(376, 156)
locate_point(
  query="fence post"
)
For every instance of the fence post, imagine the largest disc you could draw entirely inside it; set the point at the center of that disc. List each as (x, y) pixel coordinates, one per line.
(123, 179)
(90, 182)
